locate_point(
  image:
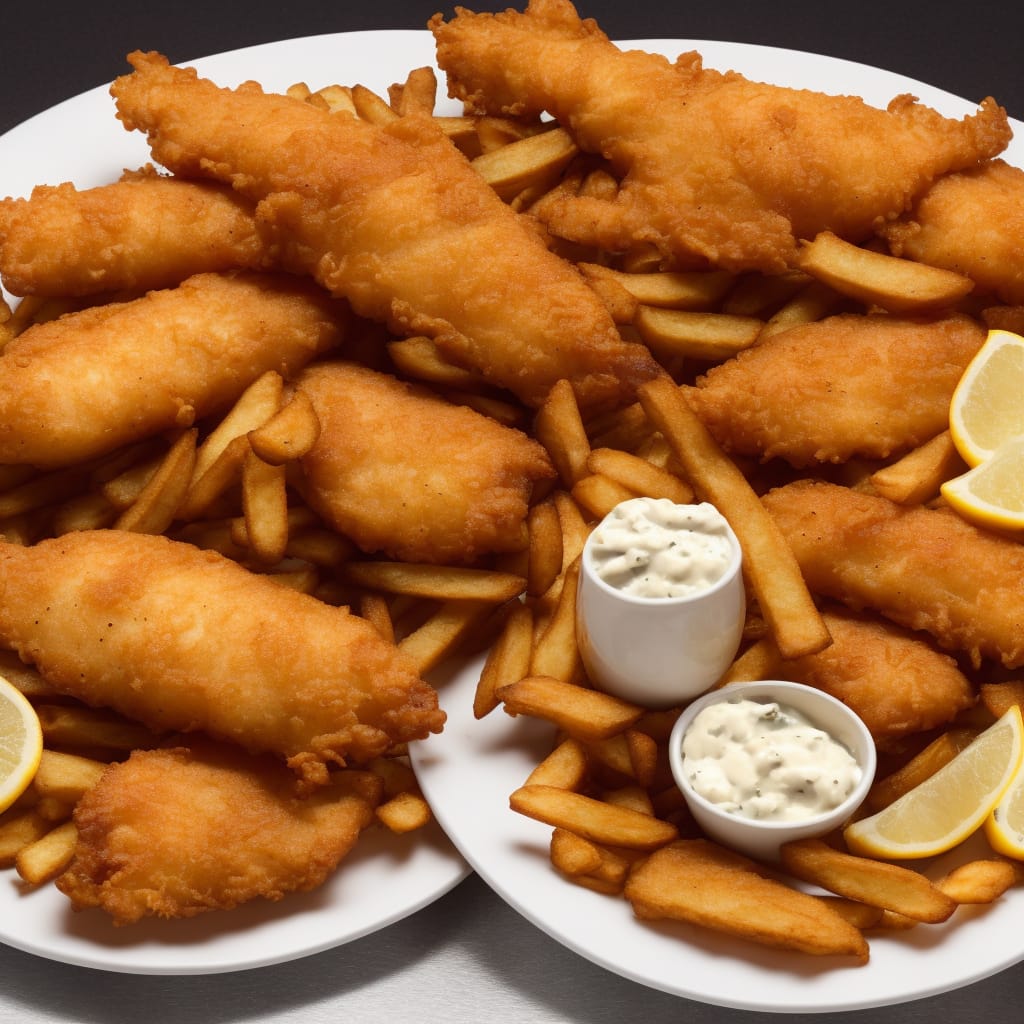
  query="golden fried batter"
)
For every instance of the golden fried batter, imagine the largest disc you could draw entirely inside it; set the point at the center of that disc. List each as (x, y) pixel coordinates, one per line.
(849, 385)
(183, 639)
(89, 382)
(400, 470)
(394, 219)
(714, 166)
(204, 826)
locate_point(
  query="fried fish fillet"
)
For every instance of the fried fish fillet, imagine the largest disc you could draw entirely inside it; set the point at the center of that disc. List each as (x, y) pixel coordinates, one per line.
(188, 640)
(895, 680)
(972, 223)
(850, 385)
(714, 166)
(87, 383)
(394, 219)
(923, 568)
(457, 488)
(145, 231)
(204, 826)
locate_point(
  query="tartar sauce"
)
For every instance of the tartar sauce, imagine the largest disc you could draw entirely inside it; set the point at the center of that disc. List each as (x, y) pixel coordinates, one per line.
(766, 761)
(652, 547)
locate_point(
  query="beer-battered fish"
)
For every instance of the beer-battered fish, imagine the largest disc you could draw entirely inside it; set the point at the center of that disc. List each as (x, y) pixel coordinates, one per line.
(714, 166)
(187, 640)
(895, 680)
(91, 381)
(204, 826)
(394, 219)
(142, 232)
(849, 385)
(923, 568)
(400, 470)
(972, 223)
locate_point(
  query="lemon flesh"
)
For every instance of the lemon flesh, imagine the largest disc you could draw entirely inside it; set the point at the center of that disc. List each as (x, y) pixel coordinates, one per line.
(948, 807)
(21, 743)
(1004, 827)
(992, 493)
(986, 409)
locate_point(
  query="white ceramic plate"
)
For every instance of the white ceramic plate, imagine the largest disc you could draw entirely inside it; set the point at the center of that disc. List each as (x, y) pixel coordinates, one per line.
(469, 771)
(386, 878)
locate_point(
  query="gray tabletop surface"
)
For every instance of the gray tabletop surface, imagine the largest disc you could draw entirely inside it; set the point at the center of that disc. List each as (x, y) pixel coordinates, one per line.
(468, 956)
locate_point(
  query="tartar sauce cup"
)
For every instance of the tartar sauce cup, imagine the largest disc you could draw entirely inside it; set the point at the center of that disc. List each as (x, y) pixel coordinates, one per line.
(659, 652)
(760, 838)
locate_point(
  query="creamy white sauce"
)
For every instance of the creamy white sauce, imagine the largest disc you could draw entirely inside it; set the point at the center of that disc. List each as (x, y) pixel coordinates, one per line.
(766, 761)
(652, 547)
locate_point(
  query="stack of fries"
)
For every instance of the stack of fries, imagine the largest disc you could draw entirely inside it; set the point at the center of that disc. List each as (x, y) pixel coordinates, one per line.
(604, 789)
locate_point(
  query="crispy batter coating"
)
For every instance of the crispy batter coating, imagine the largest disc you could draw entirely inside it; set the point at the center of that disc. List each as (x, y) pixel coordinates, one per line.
(142, 232)
(184, 640)
(91, 381)
(895, 680)
(204, 826)
(923, 568)
(714, 166)
(394, 219)
(973, 223)
(400, 470)
(849, 385)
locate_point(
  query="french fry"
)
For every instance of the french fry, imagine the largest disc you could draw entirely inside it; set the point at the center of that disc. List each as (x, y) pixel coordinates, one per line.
(536, 158)
(593, 819)
(289, 434)
(559, 427)
(634, 796)
(254, 407)
(43, 860)
(318, 546)
(556, 654)
(18, 830)
(77, 727)
(978, 881)
(761, 660)
(598, 494)
(812, 302)
(697, 290)
(875, 278)
(639, 474)
(581, 712)
(92, 511)
(998, 697)
(370, 106)
(404, 812)
(417, 94)
(564, 768)
(572, 854)
(760, 296)
(710, 337)
(445, 583)
(374, 608)
(66, 776)
(877, 883)
(265, 507)
(704, 884)
(419, 357)
(544, 556)
(158, 502)
(631, 753)
(507, 661)
(923, 765)
(441, 634)
(207, 488)
(25, 677)
(769, 565)
(917, 476)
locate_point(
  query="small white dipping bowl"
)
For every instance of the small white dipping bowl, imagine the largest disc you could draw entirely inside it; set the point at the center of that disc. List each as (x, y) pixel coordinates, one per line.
(757, 838)
(658, 652)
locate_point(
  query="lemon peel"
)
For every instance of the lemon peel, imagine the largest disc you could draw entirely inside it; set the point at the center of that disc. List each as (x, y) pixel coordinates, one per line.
(992, 493)
(986, 411)
(21, 743)
(950, 805)
(1004, 827)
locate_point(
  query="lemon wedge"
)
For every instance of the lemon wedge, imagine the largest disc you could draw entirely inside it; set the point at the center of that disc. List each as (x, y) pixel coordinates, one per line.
(986, 409)
(950, 805)
(1004, 827)
(21, 743)
(992, 493)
